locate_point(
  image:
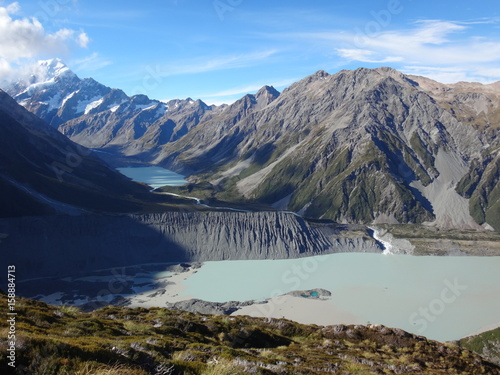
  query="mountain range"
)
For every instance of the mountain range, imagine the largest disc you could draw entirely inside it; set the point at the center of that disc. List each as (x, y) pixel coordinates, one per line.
(362, 146)
(97, 116)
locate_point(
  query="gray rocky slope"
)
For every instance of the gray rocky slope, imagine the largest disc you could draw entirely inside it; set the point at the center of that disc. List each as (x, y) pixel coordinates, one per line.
(60, 245)
(479, 106)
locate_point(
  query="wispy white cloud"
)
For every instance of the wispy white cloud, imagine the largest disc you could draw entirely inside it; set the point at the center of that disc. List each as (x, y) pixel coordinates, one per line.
(453, 74)
(431, 43)
(26, 38)
(204, 64)
(90, 63)
(365, 55)
(449, 47)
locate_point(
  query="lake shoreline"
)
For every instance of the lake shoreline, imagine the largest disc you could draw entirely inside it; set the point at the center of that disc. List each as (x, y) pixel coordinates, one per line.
(362, 300)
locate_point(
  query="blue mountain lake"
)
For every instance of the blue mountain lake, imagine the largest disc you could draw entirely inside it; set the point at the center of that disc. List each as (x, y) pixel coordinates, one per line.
(154, 176)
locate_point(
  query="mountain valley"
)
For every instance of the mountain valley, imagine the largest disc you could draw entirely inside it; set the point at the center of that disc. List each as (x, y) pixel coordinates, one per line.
(368, 161)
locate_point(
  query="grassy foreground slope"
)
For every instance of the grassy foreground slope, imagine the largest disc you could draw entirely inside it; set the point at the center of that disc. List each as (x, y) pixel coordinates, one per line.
(115, 340)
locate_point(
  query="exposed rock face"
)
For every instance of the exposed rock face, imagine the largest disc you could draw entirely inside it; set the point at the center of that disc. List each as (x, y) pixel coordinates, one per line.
(55, 94)
(135, 126)
(470, 102)
(57, 245)
(97, 116)
(204, 307)
(477, 105)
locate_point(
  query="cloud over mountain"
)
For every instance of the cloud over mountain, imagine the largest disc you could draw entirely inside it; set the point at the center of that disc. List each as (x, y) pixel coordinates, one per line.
(24, 38)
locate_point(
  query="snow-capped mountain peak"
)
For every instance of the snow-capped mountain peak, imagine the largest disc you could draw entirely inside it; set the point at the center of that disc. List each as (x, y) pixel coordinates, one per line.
(53, 67)
(41, 76)
(46, 71)
(96, 115)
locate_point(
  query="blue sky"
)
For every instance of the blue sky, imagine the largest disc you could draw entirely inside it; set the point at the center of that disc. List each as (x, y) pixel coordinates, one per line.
(218, 50)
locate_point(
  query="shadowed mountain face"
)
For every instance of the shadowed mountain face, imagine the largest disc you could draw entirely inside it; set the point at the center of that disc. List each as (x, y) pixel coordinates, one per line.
(370, 145)
(42, 171)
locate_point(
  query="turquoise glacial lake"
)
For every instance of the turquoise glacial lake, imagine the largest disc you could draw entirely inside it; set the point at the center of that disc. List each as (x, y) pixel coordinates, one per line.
(154, 176)
(442, 298)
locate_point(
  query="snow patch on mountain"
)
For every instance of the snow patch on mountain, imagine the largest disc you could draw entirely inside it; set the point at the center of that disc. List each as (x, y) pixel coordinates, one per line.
(82, 105)
(115, 108)
(39, 86)
(43, 75)
(52, 68)
(54, 102)
(145, 107)
(160, 111)
(69, 97)
(93, 105)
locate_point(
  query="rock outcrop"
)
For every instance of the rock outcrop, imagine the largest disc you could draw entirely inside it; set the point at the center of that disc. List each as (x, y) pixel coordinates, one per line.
(205, 307)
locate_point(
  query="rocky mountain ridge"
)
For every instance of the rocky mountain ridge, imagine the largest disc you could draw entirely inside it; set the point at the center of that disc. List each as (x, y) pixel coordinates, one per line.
(357, 146)
(362, 146)
(97, 116)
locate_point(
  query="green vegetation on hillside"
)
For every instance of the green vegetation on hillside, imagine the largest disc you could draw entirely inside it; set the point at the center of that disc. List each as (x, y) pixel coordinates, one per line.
(487, 344)
(481, 185)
